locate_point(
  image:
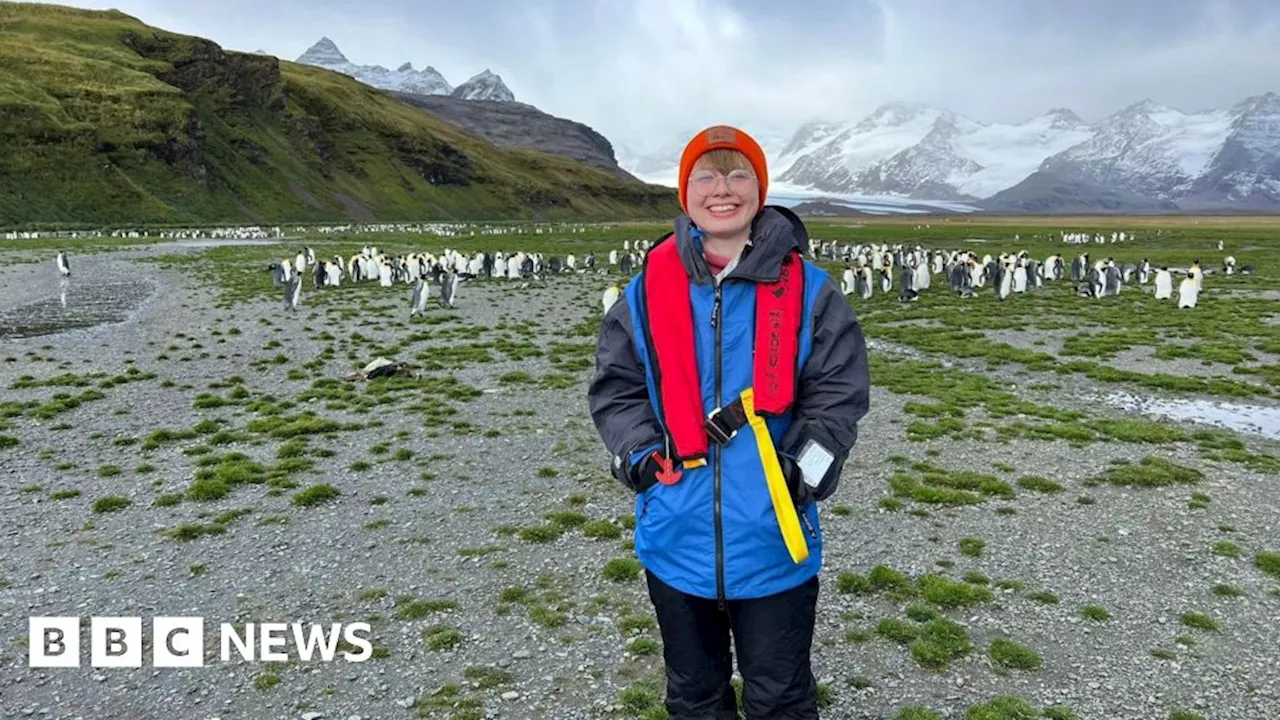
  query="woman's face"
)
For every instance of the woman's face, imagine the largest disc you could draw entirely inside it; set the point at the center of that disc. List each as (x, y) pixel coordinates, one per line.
(723, 197)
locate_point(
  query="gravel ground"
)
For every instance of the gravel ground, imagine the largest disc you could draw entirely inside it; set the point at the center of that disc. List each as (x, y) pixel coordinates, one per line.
(529, 451)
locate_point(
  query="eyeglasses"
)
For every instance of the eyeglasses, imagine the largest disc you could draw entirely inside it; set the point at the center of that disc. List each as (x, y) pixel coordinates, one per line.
(705, 181)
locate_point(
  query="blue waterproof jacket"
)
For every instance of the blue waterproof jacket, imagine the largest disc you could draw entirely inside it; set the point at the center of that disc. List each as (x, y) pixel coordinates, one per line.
(714, 533)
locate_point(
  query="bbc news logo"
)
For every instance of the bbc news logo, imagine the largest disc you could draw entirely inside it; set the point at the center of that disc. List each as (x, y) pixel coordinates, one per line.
(179, 642)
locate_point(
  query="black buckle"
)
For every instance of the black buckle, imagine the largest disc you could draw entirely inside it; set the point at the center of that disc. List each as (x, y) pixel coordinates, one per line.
(719, 435)
(724, 422)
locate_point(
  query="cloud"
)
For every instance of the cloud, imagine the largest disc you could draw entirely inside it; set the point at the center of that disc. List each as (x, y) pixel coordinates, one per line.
(647, 72)
(1008, 60)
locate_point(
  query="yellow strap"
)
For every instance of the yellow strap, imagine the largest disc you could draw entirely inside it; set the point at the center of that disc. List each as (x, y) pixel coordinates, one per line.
(788, 520)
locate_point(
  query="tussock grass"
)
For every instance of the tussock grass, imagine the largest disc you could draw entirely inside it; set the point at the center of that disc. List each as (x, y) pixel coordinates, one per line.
(316, 495)
(1003, 707)
(939, 642)
(1009, 655)
(1228, 591)
(642, 697)
(622, 569)
(485, 677)
(111, 503)
(1268, 561)
(1200, 621)
(441, 637)
(1039, 484)
(407, 608)
(601, 530)
(1096, 613)
(1227, 549)
(542, 533)
(1149, 472)
(933, 485)
(972, 547)
(1043, 597)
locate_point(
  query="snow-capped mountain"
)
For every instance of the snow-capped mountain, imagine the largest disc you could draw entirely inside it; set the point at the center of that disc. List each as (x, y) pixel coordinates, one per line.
(661, 164)
(1146, 148)
(485, 86)
(1145, 154)
(428, 81)
(1245, 169)
(924, 152)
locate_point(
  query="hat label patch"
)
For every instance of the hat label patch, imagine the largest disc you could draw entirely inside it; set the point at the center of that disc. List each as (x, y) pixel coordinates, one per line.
(721, 134)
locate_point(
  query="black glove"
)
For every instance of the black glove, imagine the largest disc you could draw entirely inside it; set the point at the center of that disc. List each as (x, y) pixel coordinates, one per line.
(801, 493)
(645, 474)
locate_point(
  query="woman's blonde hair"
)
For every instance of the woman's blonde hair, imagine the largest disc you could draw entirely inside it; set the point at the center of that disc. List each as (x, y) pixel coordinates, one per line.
(723, 161)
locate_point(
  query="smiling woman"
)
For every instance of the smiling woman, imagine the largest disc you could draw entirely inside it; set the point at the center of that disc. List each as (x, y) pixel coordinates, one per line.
(731, 377)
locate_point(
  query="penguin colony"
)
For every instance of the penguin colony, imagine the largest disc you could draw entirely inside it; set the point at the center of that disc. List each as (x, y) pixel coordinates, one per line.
(872, 267)
(866, 266)
(447, 271)
(257, 232)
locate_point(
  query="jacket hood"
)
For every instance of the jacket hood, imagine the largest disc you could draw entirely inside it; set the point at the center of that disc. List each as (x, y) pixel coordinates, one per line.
(775, 231)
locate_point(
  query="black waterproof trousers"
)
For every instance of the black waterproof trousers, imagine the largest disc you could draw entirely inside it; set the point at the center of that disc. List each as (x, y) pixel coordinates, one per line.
(772, 636)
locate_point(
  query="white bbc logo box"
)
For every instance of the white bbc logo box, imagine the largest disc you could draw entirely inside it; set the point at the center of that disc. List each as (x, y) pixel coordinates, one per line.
(115, 641)
(179, 642)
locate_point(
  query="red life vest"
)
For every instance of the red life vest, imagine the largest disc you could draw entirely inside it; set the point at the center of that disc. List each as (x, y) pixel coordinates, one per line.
(668, 316)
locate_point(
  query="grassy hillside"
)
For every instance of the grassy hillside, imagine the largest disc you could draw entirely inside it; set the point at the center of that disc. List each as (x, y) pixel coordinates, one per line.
(106, 120)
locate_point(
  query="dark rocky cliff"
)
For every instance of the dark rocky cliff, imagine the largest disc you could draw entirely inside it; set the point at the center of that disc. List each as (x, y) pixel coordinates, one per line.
(517, 125)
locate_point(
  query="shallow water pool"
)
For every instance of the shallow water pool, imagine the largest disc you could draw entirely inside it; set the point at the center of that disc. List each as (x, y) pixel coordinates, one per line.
(76, 305)
(1253, 419)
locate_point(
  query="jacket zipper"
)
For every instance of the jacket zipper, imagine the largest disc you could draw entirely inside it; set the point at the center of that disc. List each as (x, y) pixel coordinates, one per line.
(717, 323)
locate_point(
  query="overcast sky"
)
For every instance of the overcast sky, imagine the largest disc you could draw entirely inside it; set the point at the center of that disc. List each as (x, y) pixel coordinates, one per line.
(644, 71)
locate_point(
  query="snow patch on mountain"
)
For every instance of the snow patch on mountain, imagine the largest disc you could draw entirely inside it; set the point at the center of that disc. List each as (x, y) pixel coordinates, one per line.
(1245, 169)
(1007, 154)
(1146, 148)
(485, 86)
(428, 81)
(324, 52)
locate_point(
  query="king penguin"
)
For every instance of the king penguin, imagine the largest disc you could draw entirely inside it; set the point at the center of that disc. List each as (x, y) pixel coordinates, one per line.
(421, 291)
(63, 266)
(1002, 281)
(449, 289)
(907, 285)
(1164, 284)
(1189, 290)
(865, 286)
(1096, 282)
(611, 295)
(1112, 280)
(922, 279)
(1020, 276)
(292, 292)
